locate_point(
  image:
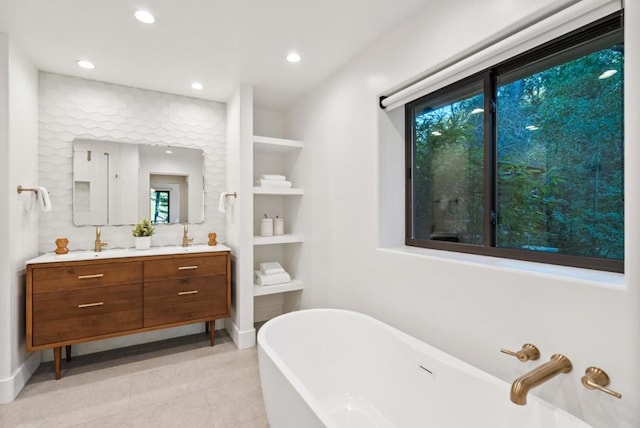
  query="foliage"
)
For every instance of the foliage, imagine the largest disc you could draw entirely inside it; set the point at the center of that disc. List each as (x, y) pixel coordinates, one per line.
(143, 228)
(559, 161)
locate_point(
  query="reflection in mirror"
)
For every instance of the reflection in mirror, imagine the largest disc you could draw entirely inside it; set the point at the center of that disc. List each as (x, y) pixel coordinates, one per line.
(119, 183)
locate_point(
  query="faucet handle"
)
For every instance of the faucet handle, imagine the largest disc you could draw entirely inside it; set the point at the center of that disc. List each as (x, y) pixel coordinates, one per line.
(595, 378)
(528, 352)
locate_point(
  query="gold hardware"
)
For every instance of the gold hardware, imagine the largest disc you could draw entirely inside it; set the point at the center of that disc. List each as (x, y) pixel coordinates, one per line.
(90, 305)
(187, 267)
(26, 189)
(595, 378)
(233, 195)
(521, 386)
(185, 236)
(528, 352)
(98, 244)
(184, 293)
(95, 275)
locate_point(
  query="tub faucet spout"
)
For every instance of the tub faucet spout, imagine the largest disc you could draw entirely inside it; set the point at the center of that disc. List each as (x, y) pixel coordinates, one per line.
(521, 386)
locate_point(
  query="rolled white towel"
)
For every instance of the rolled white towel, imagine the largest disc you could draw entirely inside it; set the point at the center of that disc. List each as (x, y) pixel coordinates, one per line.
(270, 268)
(277, 278)
(274, 177)
(283, 184)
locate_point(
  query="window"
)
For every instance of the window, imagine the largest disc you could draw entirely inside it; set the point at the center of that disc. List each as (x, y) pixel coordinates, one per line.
(159, 206)
(525, 160)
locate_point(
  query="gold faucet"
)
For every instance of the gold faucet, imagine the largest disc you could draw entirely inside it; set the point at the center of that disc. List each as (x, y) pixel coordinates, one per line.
(521, 386)
(98, 244)
(185, 236)
(595, 378)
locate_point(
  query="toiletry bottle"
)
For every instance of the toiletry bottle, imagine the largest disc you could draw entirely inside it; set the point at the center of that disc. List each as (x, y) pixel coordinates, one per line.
(266, 226)
(278, 226)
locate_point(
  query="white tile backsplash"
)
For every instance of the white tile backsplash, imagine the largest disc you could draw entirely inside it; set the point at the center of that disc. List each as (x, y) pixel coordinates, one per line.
(71, 108)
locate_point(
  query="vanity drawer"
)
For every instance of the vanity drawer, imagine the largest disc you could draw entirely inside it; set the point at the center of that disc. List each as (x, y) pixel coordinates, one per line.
(174, 301)
(80, 276)
(185, 267)
(89, 312)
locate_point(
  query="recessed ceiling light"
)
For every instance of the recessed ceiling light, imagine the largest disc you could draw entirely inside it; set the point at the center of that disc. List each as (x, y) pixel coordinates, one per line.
(168, 152)
(197, 86)
(477, 110)
(85, 64)
(436, 133)
(293, 57)
(144, 16)
(607, 74)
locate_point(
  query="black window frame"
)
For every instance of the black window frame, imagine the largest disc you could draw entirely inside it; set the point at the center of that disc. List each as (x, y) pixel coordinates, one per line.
(608, 25)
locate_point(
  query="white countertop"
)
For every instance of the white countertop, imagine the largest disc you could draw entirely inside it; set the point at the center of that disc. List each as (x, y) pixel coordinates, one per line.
(126, 252)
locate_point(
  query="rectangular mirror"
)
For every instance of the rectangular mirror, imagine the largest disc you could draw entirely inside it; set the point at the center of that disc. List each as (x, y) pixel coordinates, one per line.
(119, 183)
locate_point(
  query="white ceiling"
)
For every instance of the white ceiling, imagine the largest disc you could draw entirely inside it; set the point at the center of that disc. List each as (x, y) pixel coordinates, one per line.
(217, 42)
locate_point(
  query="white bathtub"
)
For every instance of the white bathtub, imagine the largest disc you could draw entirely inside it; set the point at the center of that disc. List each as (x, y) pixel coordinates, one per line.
(336, 368)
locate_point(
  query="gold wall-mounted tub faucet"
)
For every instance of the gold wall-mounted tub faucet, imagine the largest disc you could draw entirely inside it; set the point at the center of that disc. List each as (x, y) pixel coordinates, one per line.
(521, 386)
(98, 244)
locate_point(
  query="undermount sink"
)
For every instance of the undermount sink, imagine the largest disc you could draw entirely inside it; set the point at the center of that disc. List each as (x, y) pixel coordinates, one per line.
(126, 252)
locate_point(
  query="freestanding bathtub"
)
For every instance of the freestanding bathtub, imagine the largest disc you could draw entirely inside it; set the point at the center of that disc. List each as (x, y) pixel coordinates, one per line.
(336, 368)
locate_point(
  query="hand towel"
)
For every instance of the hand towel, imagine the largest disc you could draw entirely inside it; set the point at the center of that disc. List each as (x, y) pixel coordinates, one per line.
(278, 278)
(43, 199)
(270, 268)
(274, 177)
(281, 184)
(225, 202)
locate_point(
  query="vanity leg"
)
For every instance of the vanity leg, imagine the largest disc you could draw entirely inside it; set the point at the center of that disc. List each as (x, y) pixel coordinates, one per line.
(206, 328)
(57, 354)
(212, 331)
(67, 351)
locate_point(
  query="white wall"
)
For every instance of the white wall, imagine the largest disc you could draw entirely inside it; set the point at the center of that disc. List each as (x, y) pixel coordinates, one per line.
(239, 236)
(468, 306)
(18, 151)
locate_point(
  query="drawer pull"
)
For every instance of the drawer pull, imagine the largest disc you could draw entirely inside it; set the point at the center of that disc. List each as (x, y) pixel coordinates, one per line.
(90, 305)
(187, 267)
(184, 293)
(95, 275)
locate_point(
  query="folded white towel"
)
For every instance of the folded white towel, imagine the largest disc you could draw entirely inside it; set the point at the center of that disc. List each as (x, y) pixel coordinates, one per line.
(274, 177)
(270, 268)
(283, 184)
(43, 199)
(278, 278)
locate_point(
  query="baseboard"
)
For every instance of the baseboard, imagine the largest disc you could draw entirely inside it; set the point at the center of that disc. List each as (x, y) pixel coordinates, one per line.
(242, 339)
(11, 387)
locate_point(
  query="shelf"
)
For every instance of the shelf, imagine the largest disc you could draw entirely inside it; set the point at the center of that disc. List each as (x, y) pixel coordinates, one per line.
(277, 191)
(263, 290)
(275, 145)
(280, 239)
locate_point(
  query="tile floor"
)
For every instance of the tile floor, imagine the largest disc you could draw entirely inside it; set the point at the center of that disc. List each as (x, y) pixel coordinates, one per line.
(179, 382)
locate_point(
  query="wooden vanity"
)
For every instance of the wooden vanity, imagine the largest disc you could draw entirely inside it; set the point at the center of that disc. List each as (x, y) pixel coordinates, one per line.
(74, 301)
